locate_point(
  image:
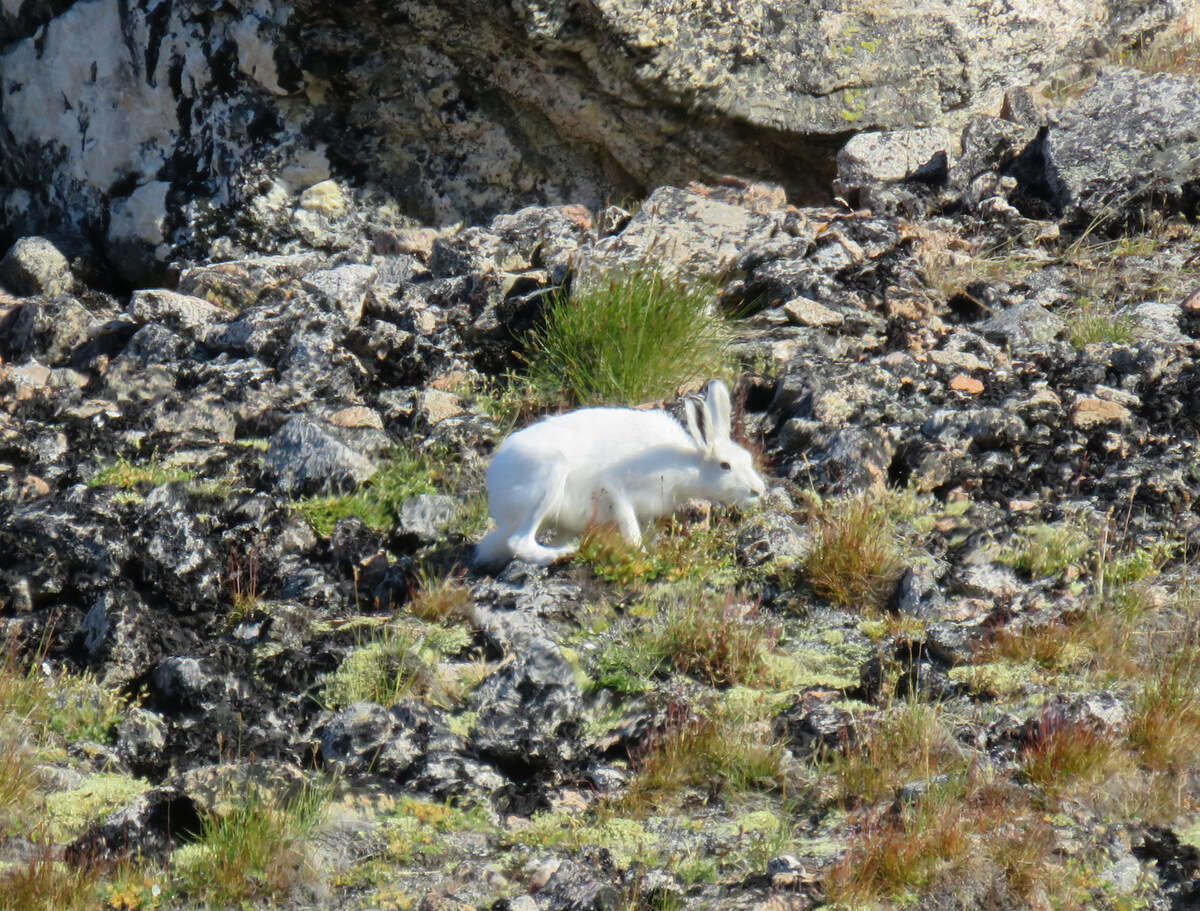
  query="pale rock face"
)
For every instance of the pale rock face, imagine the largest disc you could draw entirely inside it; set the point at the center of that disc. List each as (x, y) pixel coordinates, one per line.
(455, 110)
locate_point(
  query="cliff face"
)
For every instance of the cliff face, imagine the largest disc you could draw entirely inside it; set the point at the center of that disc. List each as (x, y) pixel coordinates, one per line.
(152, 126)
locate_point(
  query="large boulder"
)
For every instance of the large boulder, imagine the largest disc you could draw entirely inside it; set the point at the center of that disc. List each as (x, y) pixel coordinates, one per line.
(181, 125)
(1133, 139)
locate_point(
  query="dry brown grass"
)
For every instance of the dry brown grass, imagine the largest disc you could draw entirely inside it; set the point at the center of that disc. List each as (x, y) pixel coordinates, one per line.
(1164, 728)
(440, 599)
(909, 742)
(855, 560)
(719, 749)
(44, 884)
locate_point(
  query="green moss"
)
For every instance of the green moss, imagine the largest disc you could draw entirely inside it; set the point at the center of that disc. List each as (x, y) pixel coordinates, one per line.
(70, 812)
(627, 840)
(1048, 550)
(147, 473)
(398, 660)
(377, 502)
(996, 678)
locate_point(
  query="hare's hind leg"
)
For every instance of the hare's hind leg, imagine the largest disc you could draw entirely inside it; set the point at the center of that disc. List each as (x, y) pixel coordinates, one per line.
(523, 542)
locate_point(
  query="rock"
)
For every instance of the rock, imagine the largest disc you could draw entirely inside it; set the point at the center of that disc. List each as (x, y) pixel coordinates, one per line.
(427, 516)
(529, 710)
(918, 594)
(174, 551)
(149, 828)
(1132, 141)
(304, 457)
(812, 726)
(34, 265)
(178, 312)
(963, 383)
(1089, 413)
(141, 738)
(51, 330)
(692, 233)
(325, 197)
(770, 536)
(613, 107)
(1023, 325)
(805, 312)
(872, 164)
(572, 887)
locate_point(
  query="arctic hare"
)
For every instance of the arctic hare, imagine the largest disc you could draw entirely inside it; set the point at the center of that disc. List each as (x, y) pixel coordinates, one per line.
(617, 465)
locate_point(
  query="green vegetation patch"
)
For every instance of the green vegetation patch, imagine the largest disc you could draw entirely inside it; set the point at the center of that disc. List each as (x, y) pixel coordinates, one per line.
(398, 660)
(378, 500)
(1089, 321)
(855, 560)
(672, 550)
(68, 813)
(258, 850)
(131, 475)
(629, 337)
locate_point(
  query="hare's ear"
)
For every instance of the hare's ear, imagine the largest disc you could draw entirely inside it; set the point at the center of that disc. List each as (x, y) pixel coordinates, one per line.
(716, 403)
(696, 419)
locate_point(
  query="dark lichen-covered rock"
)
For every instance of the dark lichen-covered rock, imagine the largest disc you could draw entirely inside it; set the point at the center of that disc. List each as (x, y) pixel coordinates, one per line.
(1130, 142)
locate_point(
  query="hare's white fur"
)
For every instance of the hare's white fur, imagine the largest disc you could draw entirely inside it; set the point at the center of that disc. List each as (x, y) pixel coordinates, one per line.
(618, 465)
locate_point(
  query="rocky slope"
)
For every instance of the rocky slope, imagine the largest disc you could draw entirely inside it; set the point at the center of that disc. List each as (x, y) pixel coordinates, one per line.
(172, 120)
(234, 511)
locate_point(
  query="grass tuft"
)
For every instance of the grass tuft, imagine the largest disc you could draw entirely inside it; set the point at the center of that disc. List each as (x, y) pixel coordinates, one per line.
(721, 749)
(631, 337)
(1090, 321)
(256, 851)
(395, 662)
(129, 475)
(717, 639)
(855, 559)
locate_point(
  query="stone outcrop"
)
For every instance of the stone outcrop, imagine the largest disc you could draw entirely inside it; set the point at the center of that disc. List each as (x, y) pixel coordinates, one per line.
(164, 128)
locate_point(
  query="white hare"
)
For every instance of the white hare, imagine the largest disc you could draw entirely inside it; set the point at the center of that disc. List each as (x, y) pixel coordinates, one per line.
(619, 465)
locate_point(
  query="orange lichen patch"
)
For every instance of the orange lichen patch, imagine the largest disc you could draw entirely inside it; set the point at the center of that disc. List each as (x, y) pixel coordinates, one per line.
(968, 384)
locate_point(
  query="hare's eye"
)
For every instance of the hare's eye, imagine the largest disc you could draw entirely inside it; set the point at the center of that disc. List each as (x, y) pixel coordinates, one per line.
(725, 466)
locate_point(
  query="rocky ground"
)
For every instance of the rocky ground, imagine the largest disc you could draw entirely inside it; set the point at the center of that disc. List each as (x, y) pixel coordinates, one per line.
(949, 663)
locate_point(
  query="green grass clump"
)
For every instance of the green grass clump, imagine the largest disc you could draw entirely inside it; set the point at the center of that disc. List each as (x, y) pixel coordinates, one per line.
(1048, 550)
(855, 559)
(1089, 322)
(377, 502)
(397, 661)
(671, 551)
(628, 338)
(722, 748)
(128, 475)
(714, 638)
(257, 851)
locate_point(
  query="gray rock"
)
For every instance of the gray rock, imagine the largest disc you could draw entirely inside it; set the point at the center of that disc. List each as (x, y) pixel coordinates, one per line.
(1021, 326)
(639, 94)
(1130, 141)
(529, 710)
(354, 738)
(34, 265)
(141, 737)
(49, 330)
(304, 456)
(427, 516)
(181, 684)
(770, 536)
(174, 550)
(178, 312)
(872, 164)
(572, 887)
(918, 594)
(697, 235)
(149, 828)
